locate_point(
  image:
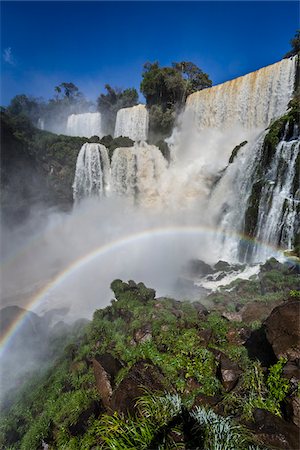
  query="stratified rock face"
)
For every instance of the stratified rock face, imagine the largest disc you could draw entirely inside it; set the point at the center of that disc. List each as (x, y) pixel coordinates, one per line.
(132, 122)
(143, 375)
(283, 330)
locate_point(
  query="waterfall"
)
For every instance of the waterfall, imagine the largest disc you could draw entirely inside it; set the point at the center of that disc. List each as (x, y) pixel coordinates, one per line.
(216, 120)
(133, 123)
(41, 124)
(251, 194)
(251, 101)
(85, 125)
(138, 172)
(278, 204)
(92, 172)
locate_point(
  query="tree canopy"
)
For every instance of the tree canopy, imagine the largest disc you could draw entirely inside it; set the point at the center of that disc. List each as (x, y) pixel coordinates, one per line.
(169, 86)
(295, 44)
(113, 100)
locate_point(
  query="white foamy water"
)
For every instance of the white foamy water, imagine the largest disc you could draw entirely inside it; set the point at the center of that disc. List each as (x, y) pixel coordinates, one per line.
(85, 125)
(92, 172)
(132, 122)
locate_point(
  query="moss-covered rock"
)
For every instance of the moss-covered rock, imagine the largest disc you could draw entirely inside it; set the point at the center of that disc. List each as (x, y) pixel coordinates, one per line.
(236, 150)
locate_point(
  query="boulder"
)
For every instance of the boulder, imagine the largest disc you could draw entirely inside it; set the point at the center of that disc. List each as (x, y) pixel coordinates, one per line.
(258, 347)
(206, 400)
(201, 310)
(232, 316)
(274, 431)
(205, 336)
(283, 330)
(196, 267)
(110, 364)
(222, 266)
(291, 370)
(103, 383)
(82, 423)
(292, 409)
(143, 334)
(228, 371)
(257, 311)
(142, 375)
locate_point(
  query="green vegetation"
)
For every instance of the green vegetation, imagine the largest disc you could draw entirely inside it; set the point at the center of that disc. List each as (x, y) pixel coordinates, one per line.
(63, 407)
(295, 44)
(166, 89)
(112, 101)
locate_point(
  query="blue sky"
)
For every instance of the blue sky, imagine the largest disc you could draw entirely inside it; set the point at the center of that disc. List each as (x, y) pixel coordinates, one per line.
(93, 43)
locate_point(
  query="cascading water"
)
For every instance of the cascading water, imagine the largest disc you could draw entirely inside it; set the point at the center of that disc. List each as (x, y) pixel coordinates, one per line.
(251, 101)
(85, 125)
(215, 120)
(279, 198)
(138, 172)
(132, 122)
(41, 124)
(92, 172)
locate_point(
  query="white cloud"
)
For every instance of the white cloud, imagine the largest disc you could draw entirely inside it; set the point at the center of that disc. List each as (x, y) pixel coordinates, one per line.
(8, 56)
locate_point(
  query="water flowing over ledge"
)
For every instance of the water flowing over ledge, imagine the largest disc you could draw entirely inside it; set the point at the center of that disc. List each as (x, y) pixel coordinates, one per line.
(132, 122)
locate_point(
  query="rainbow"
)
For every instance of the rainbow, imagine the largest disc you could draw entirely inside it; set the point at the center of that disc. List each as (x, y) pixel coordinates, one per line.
(102, 251)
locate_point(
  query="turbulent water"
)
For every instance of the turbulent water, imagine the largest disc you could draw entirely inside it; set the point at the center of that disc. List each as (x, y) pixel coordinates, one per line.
(200, 177)
(215, 120)
(86, 125)
(138, 172)
(132, 122)
(92, 172)
(278, 214)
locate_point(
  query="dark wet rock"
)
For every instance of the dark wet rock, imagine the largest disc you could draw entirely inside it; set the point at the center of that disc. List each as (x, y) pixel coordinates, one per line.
(232, 316)
(229, 373)
(283, 330)
(292, 409)
(258, 347)
(238, 336)
(142, 375)
(103, 383)
(191, 385)
(206, 400)
(236, 150)
(143, 334)
(82, 423)
(257, 311)
(205, 336)
(178, 313)
(196, 267)
(272, 264)
(274, 431)
(222, 266)
(110, 364)
(292, 370)
(201, 309)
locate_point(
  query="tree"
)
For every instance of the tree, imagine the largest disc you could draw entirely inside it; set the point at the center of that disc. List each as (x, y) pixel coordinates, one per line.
(169, 86)
(69, 90)
(30, 107)
(195, 78)
(166, 89)
(295, 44)
(112, 101)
